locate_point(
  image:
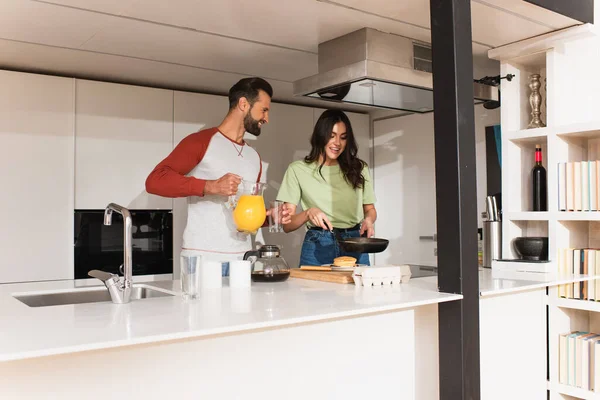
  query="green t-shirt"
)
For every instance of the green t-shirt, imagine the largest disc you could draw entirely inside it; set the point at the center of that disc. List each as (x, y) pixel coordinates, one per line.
(330, 193)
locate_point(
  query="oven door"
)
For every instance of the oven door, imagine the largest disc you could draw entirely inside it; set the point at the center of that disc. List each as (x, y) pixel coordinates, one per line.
(101, 247)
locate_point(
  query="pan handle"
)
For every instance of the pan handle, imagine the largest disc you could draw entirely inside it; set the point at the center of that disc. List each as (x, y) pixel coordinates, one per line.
(337, 236)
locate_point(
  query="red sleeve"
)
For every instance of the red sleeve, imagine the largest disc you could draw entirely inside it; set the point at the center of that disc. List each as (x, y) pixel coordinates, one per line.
(168, 178)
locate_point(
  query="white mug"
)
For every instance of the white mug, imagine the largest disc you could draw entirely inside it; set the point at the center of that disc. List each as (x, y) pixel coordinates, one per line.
(239, 273)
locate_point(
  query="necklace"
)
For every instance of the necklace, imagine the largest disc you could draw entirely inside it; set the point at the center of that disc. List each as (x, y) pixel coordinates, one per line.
(238, 151)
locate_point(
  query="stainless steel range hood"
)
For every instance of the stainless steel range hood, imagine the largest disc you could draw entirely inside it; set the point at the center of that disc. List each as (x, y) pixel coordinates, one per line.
(378, 69)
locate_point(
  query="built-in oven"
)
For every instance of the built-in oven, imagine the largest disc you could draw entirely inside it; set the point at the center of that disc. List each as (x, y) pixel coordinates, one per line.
(98, 246)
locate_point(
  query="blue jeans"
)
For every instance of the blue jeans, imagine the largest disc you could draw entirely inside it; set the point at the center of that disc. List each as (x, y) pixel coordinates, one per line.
(225, 269)
(321, 247)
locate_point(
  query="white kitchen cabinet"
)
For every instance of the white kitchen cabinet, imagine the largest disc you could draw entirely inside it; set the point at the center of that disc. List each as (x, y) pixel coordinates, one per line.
(36, 132)
(122, 132)
(192, 113)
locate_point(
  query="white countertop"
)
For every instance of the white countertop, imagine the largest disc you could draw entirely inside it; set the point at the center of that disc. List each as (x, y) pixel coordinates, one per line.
(493, 282)
(29, 332)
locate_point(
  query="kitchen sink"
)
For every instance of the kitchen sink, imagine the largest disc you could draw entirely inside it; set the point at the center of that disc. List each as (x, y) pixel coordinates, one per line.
(81, 296)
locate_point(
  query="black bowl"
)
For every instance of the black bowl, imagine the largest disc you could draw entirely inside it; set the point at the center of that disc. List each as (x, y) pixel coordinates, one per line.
(531, 248)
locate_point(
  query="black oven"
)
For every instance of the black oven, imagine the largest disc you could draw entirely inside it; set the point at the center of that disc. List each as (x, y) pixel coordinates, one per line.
(101, 247)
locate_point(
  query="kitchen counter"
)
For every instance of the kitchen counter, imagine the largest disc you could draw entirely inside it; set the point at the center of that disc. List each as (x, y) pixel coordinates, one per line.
(81, 327)
(494, 282)
(42, 331)
(308, 337)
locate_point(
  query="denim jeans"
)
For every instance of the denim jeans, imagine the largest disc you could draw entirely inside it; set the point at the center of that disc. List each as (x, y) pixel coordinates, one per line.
(321, 247)
(225, 269)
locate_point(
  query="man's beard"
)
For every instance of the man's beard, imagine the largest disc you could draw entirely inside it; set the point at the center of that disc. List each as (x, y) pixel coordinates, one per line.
(251, 125)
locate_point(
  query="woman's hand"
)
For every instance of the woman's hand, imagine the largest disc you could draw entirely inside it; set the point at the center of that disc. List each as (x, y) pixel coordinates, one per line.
(369, 220)
(368, 227)
(318, 218)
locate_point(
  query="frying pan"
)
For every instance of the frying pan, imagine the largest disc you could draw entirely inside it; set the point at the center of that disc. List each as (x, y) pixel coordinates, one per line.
(361, 244)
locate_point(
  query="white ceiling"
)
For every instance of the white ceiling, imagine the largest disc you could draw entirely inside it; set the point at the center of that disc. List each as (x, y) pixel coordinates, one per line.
(206, 45)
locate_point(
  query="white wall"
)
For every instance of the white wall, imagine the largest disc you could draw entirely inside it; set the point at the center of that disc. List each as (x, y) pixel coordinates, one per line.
(404, 169)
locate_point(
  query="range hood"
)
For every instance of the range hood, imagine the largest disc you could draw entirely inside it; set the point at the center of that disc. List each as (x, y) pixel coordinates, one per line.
(378, 69)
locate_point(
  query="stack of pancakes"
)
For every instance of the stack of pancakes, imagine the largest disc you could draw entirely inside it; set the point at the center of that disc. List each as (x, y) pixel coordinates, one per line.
(344, 261)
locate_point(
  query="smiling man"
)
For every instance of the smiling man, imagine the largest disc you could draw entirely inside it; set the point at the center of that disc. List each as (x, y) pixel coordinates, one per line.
(207, 167)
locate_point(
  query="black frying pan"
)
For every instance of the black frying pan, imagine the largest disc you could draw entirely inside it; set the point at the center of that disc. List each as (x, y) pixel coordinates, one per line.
(362, 244)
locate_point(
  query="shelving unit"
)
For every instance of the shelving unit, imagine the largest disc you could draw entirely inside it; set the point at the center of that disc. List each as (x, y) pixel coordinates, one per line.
(526, 216)
(578, 216)
(574, 392)
(574, 304)
(570, 111)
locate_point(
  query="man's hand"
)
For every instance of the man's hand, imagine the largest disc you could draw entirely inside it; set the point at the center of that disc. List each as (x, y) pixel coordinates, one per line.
(367, 226)
(318, 218)
(227, 185)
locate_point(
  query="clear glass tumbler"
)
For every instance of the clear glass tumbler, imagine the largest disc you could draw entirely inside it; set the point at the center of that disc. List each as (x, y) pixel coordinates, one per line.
(190, 276)
(275, 224)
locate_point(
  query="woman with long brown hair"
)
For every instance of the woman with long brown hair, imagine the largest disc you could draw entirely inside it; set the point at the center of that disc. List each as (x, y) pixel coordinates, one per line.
(334, 189)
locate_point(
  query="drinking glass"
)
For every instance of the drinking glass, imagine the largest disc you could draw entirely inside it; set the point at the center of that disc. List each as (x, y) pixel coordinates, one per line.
(190, 276)
(275, 224)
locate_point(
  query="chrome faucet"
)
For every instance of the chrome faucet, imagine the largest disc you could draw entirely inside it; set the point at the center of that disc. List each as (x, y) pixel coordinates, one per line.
(120, 292)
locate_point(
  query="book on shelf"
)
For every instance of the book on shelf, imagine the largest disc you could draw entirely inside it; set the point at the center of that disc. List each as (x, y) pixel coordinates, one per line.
(579, 360)
(594, 353)
(577, 271)
(579, 262)
(594, 185)
(579, 186)
(585, 186)
(570, 187)
(597, 281)
(562, 186)
(592, 255)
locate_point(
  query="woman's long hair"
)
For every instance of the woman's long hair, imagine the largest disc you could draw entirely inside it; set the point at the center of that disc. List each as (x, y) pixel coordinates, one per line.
(350, 165)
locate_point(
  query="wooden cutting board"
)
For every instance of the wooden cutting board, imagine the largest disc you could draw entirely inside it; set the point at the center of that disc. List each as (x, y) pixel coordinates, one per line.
(325, 276)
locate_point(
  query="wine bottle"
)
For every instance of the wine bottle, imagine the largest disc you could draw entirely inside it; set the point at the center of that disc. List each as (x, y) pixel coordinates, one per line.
(539, 182)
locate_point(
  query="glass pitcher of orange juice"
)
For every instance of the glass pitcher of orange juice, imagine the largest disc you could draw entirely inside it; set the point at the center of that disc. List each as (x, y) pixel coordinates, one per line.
(250, 212)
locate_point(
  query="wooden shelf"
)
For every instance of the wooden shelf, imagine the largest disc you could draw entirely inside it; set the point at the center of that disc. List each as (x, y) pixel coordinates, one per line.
(575, 392)
(578, 216)
(584, 305)
(529, 135)
(526, 216)
(580, 130)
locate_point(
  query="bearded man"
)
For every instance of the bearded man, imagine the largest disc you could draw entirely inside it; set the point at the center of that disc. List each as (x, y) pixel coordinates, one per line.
(207, 167)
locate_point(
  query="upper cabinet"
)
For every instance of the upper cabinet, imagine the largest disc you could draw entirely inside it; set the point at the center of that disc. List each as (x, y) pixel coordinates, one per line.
(36, 132)
(122, 132)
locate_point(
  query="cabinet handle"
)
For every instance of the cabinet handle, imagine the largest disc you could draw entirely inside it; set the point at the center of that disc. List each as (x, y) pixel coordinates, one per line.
(432, 238)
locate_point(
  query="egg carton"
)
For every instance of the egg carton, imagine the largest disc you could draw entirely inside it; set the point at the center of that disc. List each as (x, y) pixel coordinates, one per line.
(384, 275)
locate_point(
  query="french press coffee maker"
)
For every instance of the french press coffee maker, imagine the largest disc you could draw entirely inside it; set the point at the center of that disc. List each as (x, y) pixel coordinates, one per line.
(269, 266)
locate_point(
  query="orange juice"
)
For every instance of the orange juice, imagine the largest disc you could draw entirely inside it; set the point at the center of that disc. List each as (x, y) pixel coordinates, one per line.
(250, 213)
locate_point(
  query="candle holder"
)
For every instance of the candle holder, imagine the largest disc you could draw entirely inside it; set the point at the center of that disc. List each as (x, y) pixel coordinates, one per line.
(535, 100)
